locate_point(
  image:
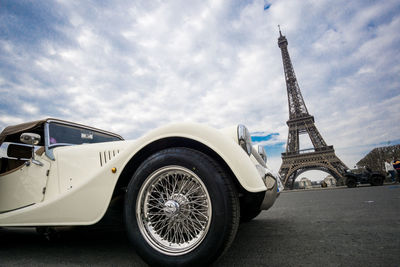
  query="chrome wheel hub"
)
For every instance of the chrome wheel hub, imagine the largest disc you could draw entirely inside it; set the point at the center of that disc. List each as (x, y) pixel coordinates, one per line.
(173, 210)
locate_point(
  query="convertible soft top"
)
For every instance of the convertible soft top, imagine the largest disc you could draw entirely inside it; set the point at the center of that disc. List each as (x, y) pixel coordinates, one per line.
(13, 129)
(19, 128)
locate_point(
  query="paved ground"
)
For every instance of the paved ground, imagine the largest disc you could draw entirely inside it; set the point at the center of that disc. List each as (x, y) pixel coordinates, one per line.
(341, 227)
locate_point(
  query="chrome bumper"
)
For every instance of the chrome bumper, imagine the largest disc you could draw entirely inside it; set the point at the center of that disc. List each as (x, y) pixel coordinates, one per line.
(271, 180)
(271, 194)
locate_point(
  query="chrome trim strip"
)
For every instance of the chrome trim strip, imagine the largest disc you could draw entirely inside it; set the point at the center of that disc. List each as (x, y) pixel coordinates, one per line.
(48, 149)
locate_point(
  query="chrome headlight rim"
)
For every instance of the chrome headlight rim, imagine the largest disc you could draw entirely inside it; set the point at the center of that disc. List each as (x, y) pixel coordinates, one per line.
(244, 138)
(263, 153)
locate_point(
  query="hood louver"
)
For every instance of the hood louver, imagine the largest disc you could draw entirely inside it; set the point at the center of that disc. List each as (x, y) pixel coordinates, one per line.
(106, 156)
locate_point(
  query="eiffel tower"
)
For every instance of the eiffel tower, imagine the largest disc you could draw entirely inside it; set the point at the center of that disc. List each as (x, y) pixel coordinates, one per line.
(321, 156)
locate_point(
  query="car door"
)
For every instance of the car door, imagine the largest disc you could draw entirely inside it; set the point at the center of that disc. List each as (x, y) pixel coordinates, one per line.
(23, 185)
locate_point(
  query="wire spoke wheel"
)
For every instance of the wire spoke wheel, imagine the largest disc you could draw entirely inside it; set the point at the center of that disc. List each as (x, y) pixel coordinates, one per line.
(168, 212)
(173, 210)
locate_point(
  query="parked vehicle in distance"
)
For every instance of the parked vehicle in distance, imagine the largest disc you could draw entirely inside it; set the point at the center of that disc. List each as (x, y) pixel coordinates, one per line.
(184, 187)
(363, 176)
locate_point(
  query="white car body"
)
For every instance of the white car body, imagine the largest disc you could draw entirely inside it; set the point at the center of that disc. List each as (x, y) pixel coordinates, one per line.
(75, 184)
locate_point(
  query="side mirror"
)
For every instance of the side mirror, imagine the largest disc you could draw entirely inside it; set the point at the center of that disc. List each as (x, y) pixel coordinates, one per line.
(30, 138)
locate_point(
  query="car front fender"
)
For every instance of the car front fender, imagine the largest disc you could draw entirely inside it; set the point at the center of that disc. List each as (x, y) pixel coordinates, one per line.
(223, 144)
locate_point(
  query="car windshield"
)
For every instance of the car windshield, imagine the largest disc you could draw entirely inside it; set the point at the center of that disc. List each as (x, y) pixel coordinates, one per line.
(61, 134)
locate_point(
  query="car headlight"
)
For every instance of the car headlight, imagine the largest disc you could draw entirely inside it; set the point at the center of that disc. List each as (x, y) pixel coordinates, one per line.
(263, 154)
(244, 138)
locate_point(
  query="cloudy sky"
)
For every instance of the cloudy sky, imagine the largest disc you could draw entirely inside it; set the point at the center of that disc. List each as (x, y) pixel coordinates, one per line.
(131, 66)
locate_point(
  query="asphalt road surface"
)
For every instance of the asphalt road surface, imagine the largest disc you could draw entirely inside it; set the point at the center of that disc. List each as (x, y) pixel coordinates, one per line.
(339, 227)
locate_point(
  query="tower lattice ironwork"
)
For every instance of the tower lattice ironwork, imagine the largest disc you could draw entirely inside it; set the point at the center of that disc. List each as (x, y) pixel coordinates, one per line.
(321, 156)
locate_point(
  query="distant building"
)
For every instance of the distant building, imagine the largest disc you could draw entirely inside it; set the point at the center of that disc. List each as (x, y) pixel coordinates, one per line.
(305, 183)
(330, 181)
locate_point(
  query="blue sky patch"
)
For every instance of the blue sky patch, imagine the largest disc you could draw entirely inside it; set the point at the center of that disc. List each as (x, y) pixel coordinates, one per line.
(274, 149)
(258, 138)
(28, 23)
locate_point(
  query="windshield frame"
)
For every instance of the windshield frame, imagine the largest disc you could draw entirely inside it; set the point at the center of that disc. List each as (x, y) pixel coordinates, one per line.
(49, 147)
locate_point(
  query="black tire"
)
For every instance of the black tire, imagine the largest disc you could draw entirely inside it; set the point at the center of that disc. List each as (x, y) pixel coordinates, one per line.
(218, 194)
(376, 180)
(351, 182)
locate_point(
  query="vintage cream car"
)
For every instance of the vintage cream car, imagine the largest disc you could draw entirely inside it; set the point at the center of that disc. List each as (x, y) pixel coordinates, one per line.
(185, 187)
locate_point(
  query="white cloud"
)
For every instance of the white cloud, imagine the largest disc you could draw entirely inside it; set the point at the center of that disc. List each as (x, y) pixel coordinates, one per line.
(131, 66)
(29, 108)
